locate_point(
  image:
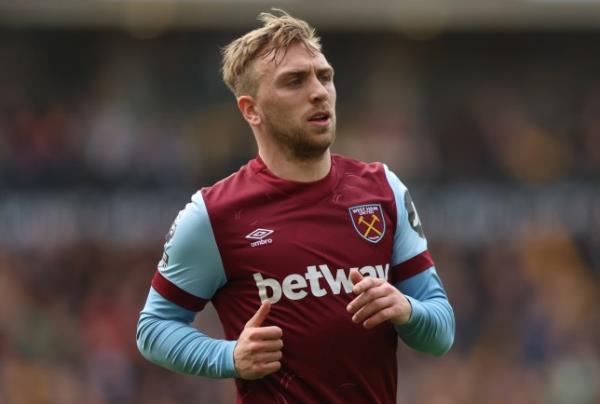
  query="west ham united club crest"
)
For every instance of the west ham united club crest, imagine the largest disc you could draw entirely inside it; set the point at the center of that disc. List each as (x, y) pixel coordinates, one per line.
(368, 221)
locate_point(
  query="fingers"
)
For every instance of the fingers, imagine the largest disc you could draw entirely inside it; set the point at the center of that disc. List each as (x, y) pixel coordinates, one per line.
(256, 359)
(355, 276)
(273, 345)
(366, 297)
(258, 349)
(378, 301)
(261, 333)
(379, 317)
(261, 370)
(267, 357)
(366, 283)
(261, 314)
(374, 307)
(253, 327)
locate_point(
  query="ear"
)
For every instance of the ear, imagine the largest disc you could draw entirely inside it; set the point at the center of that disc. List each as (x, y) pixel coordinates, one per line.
(247, 106)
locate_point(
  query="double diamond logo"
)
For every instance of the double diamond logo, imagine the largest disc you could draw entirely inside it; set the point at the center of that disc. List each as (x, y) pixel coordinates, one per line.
(259, 234)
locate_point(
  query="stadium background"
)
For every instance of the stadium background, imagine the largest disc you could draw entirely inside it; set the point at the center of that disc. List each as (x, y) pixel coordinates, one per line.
(113, 113)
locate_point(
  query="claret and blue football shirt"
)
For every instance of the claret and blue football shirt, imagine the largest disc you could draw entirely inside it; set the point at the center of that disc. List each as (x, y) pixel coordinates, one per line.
(252, 237)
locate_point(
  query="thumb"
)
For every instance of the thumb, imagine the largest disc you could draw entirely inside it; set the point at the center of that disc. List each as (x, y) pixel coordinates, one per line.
(260, 315)
(355, 276)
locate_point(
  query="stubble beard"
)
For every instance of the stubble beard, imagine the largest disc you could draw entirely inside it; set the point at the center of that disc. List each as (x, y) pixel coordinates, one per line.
(298, 144)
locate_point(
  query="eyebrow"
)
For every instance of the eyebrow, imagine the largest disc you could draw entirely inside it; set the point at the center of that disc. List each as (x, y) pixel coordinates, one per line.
(302, 72)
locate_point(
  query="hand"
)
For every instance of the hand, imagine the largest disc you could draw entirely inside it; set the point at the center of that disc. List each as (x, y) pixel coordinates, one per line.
(377, 301)
(258, 349)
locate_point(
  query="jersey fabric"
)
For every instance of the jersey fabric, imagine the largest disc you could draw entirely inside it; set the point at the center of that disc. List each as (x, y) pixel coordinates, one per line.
(254, 236)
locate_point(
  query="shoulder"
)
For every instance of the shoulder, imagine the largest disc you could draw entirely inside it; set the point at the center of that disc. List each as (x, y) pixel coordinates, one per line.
(191, 260)
(352, 166)
(232, 192)
(402, 197)
(379, 179)
(378, 173)
(229, 186)
(190, 227)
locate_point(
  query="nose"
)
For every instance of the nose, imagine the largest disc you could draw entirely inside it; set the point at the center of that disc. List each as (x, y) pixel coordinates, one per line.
(318, 92)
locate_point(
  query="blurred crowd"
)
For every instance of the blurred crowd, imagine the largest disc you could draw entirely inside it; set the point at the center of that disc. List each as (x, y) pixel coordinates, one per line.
(68, 331)
(102, 111)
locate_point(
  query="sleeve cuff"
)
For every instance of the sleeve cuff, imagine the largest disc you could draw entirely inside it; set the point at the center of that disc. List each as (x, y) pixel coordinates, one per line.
(230, 363)
(416, 317)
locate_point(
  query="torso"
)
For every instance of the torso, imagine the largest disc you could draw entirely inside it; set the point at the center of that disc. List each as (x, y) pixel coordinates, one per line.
(302, 241)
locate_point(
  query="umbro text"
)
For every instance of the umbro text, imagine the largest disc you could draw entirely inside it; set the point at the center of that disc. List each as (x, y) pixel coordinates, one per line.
(261, 242)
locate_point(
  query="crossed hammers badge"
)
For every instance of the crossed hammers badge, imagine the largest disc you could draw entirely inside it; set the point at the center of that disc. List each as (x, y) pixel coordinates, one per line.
(369, 222)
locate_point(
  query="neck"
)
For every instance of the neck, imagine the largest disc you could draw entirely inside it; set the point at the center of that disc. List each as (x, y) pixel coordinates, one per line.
(288, 168)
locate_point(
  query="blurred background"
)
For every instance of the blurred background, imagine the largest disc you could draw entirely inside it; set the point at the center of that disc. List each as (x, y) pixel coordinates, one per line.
(113, 113)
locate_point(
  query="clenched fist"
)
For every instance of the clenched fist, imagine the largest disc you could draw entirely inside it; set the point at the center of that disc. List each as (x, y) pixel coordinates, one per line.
(258, 349)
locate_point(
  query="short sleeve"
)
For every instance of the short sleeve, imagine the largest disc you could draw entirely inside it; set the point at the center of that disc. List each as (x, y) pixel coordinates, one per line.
(191, 270)
(410, 255)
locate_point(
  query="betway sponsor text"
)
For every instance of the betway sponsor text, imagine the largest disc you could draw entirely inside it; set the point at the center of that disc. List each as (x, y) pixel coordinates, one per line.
(297, 286)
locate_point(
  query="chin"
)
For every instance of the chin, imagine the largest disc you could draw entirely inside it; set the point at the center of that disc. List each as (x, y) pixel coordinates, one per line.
(312, 150)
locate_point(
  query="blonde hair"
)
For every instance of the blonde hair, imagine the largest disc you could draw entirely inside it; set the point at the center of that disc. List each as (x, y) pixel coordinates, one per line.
(275, 36)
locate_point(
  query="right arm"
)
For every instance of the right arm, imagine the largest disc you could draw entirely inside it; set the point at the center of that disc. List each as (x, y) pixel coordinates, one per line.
(165, 337)
(189, 274)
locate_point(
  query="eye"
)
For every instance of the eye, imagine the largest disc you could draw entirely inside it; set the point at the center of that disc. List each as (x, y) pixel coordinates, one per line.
(326, 77)
(296, 81)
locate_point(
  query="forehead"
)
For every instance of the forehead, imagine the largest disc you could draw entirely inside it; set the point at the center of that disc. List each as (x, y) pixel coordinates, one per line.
(297, 57)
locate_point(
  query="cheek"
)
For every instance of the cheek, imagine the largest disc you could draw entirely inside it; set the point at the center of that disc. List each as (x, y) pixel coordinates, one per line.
(279, 108)
(332, 94)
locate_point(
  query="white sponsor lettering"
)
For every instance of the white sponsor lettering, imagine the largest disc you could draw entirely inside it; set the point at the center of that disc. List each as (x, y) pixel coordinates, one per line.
(313, 276)
(294, 286)
(263, 284)
(335, 284)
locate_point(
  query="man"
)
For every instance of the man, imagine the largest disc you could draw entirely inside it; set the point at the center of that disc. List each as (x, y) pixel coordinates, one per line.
(315, 263)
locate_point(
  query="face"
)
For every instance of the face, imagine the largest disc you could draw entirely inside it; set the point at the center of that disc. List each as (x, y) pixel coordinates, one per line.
(296, 102)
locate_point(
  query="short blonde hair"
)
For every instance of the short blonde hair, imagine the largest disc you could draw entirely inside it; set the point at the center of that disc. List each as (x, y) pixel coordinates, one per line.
(275, 36)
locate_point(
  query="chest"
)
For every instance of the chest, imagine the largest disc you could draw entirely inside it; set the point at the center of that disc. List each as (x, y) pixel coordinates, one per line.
(281, 236)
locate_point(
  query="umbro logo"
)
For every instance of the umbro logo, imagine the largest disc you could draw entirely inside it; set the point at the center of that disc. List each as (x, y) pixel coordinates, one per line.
(259, 235)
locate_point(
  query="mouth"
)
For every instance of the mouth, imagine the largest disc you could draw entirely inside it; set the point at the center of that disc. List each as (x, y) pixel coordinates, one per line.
(320, 118)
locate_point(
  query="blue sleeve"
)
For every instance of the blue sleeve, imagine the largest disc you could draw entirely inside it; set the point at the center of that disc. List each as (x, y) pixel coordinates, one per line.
(409, 239)
(191, 259)
(431, 326)
(190, 272)
(166, 338)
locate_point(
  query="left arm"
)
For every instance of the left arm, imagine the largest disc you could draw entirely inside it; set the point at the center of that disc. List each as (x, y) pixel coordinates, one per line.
(414, 299)
(430, 327)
